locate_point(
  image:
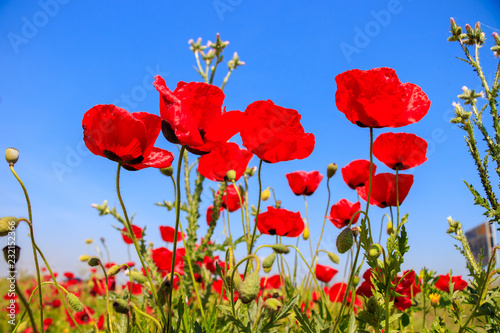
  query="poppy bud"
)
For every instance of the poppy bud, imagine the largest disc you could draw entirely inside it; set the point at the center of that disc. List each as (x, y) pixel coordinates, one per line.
(8, 224)
(138, 277)
(89, 241)
(345, 240)
(331, 170)
(280, 248)
(355, 280)
(167, 171)
(121, 306)
(231, 175)
(305, 234)
(236, 282)
(374, 251)
(333, 257)
(269, 261)
(390, 228)
(93, 261)
(11, 155)
(74, 302)
(249, 288)
(113, 270)
(84, 257)
(250, 171)
(372, 304)
(7, 253)
(266, 194)
(273, 304)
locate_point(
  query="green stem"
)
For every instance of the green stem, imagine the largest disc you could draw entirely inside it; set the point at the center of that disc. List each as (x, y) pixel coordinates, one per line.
(136, 245)
(307, 225)
(19, 293)
(242, 215)
(108, 310)
(257, 216)
(32, 236)
(177, 222)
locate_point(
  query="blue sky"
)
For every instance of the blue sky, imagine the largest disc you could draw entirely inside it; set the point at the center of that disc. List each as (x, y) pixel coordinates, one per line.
(60, 58)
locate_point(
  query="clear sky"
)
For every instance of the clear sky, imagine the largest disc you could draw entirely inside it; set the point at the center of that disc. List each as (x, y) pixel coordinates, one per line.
(59, 58)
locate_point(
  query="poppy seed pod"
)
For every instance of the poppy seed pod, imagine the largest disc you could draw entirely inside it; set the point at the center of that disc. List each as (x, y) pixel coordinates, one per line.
(249, 288)
(344, 241)
(331, 169)
(372, 305)
(11, 155)
(8, 255)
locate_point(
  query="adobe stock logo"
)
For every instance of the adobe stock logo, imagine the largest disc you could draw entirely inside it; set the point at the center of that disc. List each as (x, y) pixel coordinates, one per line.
(222, 6)
(363, 36)
(31, 26)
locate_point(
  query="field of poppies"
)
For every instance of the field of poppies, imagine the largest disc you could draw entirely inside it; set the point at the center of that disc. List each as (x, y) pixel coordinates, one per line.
(199, 285)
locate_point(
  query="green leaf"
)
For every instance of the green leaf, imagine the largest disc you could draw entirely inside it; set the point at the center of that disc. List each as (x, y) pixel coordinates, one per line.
(478, 199)
(352, 323)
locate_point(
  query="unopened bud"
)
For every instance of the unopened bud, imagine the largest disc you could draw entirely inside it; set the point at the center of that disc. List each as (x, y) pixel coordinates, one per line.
(374, 251)
(390, 228)
(8, 224)
(89, 241)
(231, 175)
(468, 27)
(84, 258)
(280, 248)
(269, 261)
(121, 306)
(305, 233)
(249, 288)
(355, 280)
(266, 194)
(331, 170)
(478, 25)
(11, 155)
(236, 282)
(93, 261)
(372, 304)
(113, 270)
(356, 231)
(250, 171)
(167, 171)
(273, 304)
(333, 257)
(138, 277)
(74, 302)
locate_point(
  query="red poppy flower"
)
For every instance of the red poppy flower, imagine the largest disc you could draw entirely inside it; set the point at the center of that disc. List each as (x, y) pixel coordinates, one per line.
(125, 137)
(376, 98)
(400, 151)
(443, 283)
(342, 212)
(168, 233)
(337, 292)
(69, 275)
(325, 273)
(230, 198)
(274, 133)
(272, 282)
(383, 192)
(281, 222)
(227, 156)
(192, 115)
(137, 233)
(210, 211)
(83, 317)
(210, 263)
(162, 257)
(357, 173)
(304, 183)
(136, 288)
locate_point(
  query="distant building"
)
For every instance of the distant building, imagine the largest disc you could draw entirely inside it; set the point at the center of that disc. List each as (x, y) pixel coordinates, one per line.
(482, 240)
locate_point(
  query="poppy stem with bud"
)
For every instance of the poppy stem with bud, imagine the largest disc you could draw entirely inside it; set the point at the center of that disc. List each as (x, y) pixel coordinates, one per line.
(32, 234)
(252, 240)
